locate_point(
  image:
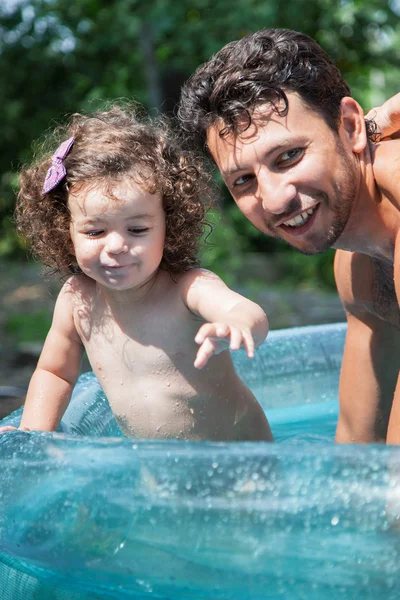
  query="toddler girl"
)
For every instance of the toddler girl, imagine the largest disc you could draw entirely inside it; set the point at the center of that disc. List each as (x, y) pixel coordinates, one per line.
(120, 207)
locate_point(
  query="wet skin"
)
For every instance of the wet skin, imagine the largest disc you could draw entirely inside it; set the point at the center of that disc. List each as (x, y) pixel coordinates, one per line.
(296, 179)
(119, 243)
(138, 326)
(290, 176)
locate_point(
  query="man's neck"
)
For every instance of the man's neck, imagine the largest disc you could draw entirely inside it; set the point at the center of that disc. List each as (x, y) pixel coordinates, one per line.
(374, 220)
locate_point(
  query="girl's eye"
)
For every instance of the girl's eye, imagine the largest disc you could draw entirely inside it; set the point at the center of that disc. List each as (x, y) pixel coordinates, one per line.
(138, 230)
(242, 180)
(290, 156)
(95, 233)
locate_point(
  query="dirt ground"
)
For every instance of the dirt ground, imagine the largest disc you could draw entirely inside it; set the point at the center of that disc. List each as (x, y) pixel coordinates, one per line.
(24, 291)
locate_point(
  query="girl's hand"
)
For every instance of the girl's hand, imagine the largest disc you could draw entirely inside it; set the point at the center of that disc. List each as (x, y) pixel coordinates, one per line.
(387, 117)
(10, 428)
(214, 338)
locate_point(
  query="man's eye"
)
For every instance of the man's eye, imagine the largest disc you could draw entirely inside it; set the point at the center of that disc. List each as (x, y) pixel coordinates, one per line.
(290, 156)
(242, 180)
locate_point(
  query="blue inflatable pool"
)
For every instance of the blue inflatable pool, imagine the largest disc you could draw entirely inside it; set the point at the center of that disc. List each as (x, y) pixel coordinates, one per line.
(86, 514)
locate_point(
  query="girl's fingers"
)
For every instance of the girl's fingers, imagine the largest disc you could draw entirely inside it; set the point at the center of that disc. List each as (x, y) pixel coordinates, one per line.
(236, 339)
(241, 338)
(222, 330)
(206, 350)
(7, 428)
(211, 330)
(248, 343)
(216, 334)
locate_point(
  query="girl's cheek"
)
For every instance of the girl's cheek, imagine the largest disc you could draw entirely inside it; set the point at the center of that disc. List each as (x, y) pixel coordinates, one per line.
(138, 250)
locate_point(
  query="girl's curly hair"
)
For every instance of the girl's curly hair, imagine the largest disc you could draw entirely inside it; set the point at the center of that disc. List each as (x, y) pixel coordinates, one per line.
(109, 145)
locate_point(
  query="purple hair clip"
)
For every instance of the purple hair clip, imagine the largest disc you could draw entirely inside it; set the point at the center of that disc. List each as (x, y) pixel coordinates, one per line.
(57, 171)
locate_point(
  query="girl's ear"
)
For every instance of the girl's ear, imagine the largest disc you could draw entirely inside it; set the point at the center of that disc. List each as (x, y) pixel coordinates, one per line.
(352, 129)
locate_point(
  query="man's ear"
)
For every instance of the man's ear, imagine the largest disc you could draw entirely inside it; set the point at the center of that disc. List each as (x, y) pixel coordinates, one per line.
(352, 129)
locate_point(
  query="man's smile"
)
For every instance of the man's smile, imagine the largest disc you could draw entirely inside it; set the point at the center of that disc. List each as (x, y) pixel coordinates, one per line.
(300, 223)
(300, 219)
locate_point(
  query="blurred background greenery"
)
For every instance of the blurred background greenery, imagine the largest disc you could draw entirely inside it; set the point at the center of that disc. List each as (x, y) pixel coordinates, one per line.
(60, 56)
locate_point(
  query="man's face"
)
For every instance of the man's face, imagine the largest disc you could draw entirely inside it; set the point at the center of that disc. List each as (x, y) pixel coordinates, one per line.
(290, 176)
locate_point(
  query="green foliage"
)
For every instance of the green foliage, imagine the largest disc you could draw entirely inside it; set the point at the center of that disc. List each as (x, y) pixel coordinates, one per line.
(224, 247)
(59, 57)
(28, 327)
(308, 271)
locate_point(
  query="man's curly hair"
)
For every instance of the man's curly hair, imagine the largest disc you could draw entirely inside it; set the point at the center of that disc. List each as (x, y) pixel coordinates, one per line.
(259, 68)
(110, 145)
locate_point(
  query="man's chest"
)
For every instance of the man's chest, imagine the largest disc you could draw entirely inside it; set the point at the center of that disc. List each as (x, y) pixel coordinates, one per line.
(385, 303)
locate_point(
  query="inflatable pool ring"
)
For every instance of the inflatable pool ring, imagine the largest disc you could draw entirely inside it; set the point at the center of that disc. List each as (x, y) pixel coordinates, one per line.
(86, 514)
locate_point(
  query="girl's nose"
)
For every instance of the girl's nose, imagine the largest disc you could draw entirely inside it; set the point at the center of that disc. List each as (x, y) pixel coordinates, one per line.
(116, 243)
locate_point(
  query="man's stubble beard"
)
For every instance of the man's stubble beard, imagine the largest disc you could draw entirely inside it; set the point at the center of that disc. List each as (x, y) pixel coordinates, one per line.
(342, 202)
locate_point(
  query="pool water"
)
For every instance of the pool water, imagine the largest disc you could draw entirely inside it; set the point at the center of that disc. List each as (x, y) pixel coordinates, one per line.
(87, 514)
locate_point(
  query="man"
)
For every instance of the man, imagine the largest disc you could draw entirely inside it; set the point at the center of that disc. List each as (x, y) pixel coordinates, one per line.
(297, 155)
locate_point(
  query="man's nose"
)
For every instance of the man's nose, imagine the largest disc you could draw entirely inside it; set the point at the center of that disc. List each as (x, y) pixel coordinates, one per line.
(276, 193)
(116, 243)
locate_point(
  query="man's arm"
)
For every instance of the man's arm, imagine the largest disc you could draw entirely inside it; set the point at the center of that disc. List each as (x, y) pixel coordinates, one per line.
(367, 380)
(370, 360)
(232, 321)
(58, 367)
(393, 434)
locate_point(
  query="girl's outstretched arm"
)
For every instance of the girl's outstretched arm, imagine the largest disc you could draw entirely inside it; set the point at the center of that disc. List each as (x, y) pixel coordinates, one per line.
(232, 321)
(57, 370)
(387, 117)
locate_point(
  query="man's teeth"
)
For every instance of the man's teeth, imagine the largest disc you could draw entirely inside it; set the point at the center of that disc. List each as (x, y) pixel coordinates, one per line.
(300, 219)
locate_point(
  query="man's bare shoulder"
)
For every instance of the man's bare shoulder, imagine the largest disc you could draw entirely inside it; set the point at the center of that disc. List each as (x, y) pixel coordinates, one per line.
(386, 162)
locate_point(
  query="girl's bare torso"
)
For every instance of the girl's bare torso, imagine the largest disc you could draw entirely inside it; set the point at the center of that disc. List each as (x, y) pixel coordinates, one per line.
(142, 354)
